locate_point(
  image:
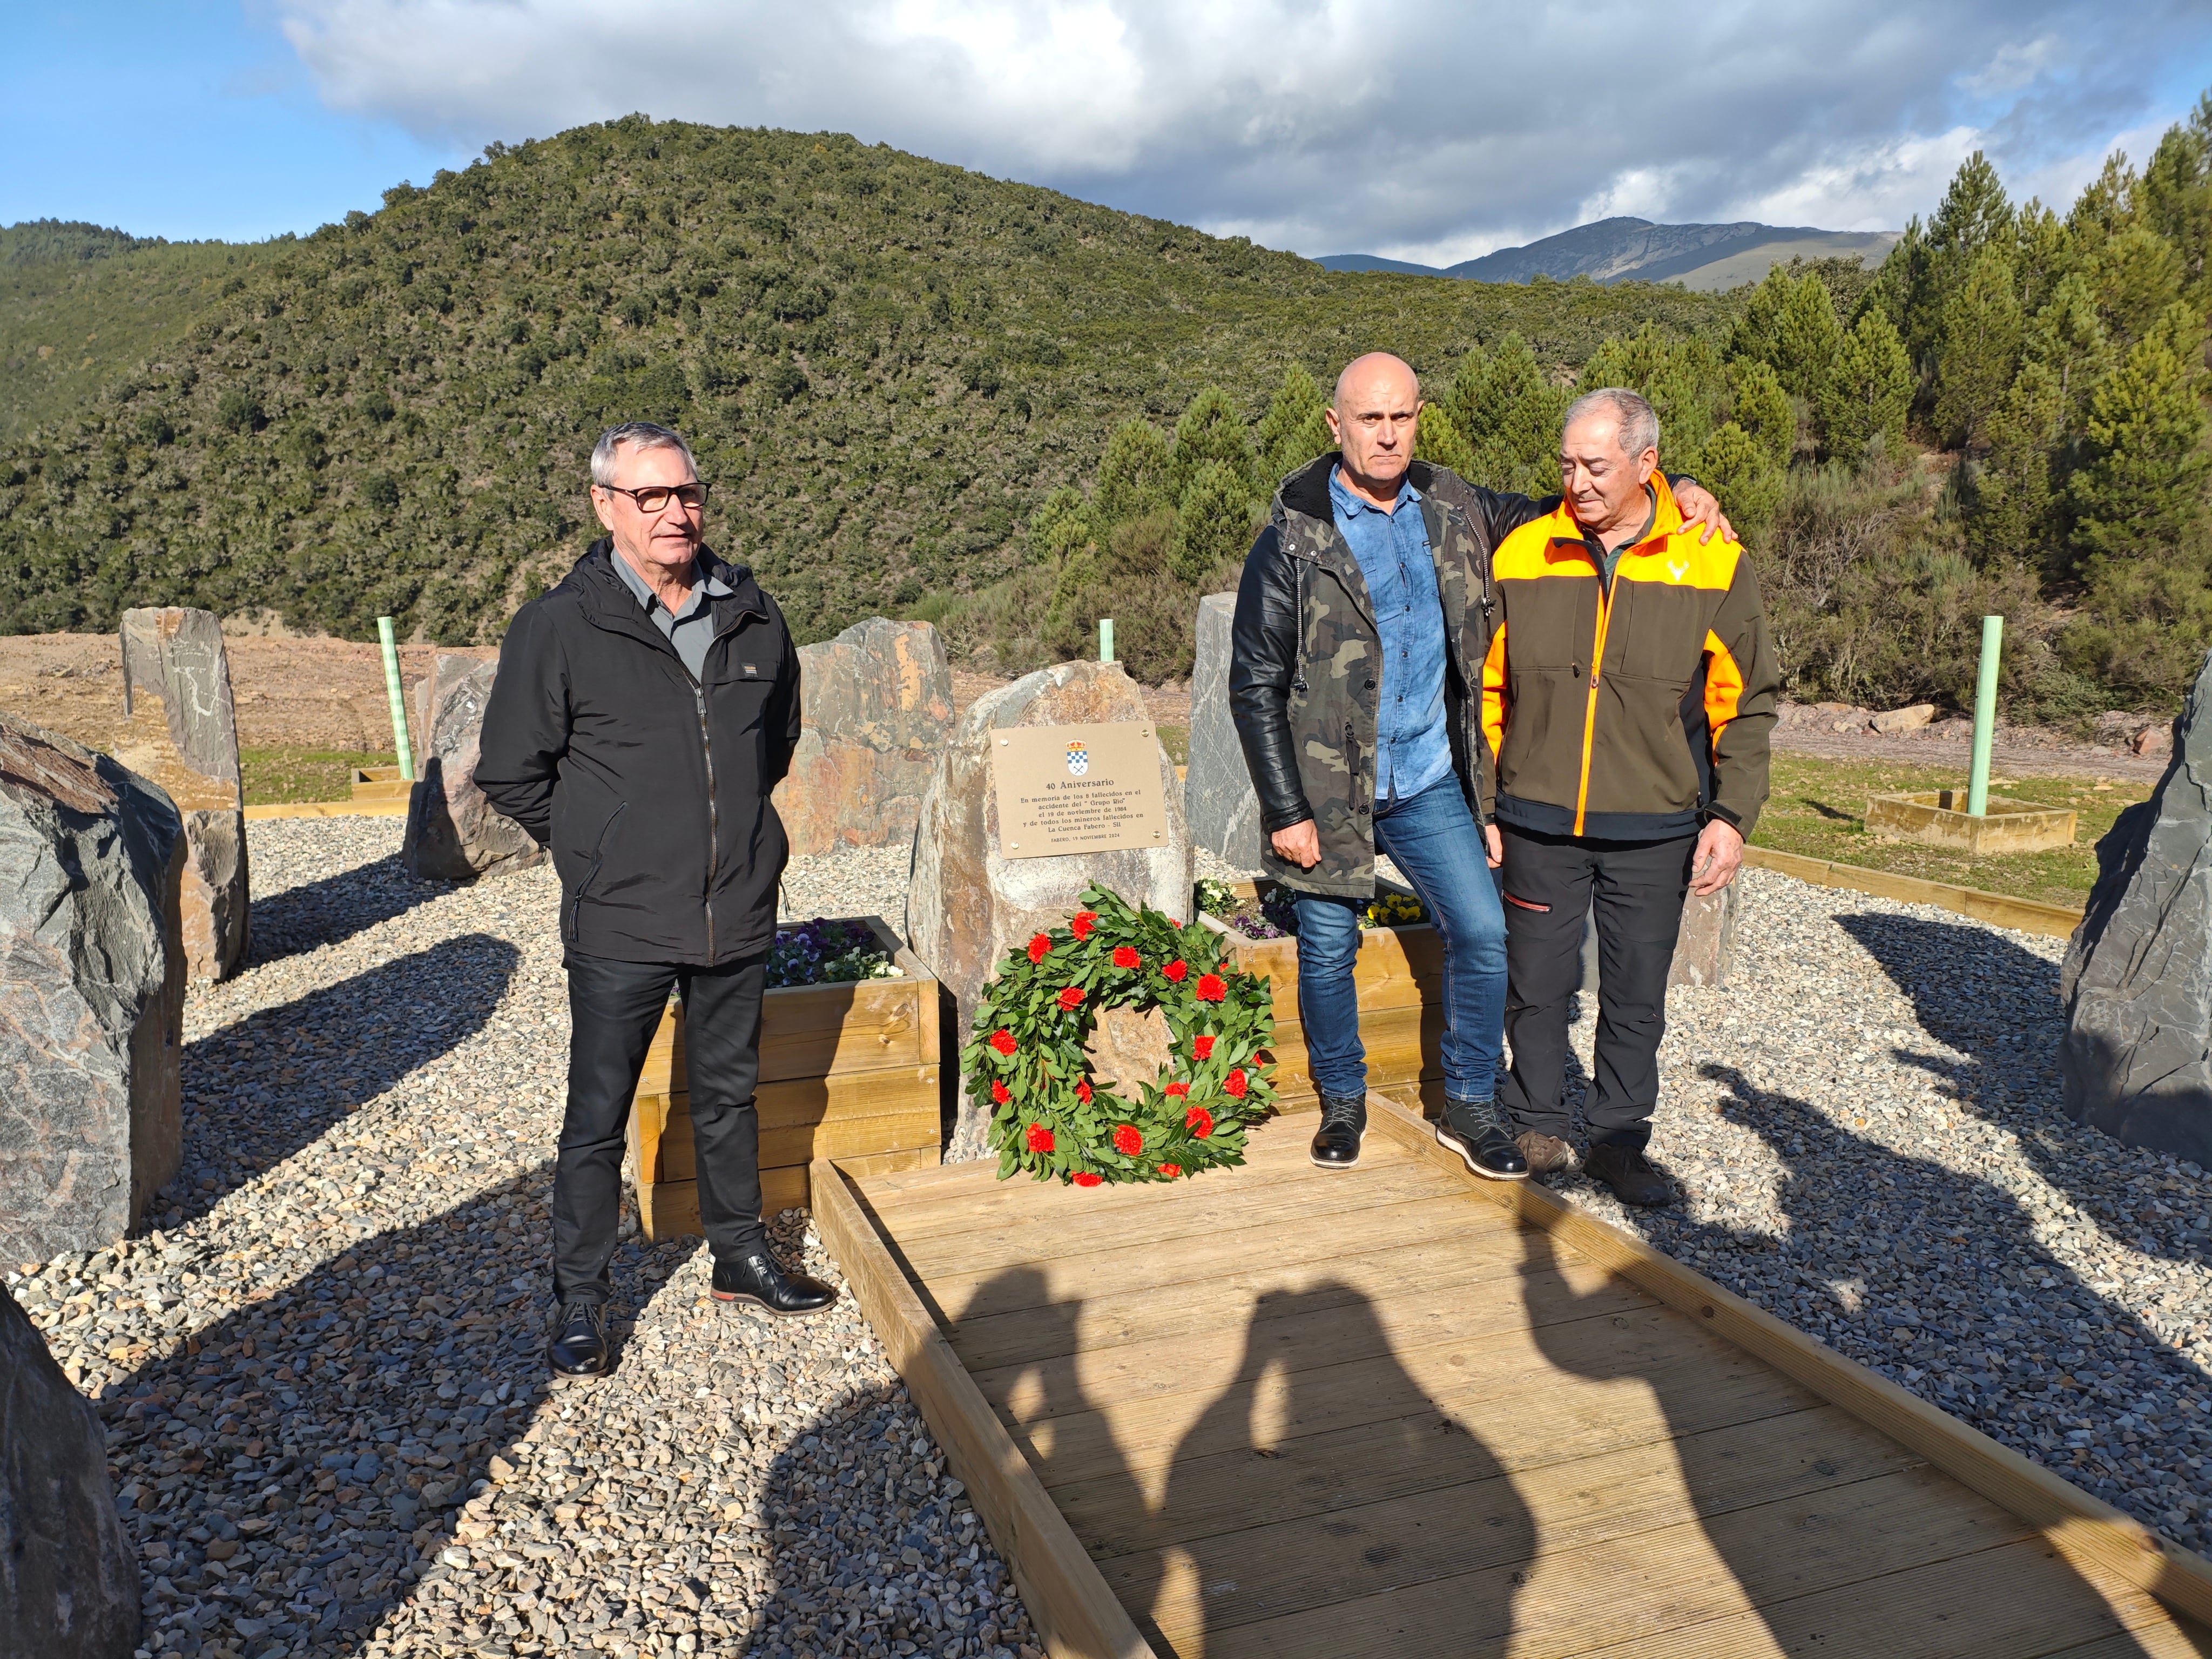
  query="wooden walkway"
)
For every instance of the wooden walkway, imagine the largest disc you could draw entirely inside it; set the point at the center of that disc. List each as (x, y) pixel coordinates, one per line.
(1305, 1415)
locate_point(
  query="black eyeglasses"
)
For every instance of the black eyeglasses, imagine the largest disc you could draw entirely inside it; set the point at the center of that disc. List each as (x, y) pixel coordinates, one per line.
(654, 498)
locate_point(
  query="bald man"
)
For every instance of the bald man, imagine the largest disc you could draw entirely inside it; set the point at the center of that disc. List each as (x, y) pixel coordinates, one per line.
(1363, 622)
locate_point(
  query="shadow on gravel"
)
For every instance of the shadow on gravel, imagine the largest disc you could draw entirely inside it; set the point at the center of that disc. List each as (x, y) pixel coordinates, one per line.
(257, 1091)
(329, 911)
(1886, 1253)
(1980, 993)
(325, 1467)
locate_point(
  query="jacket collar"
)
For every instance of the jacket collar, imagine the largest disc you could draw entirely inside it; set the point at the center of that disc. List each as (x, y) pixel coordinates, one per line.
(1665, 519)
(608, 602)
(1306, 489)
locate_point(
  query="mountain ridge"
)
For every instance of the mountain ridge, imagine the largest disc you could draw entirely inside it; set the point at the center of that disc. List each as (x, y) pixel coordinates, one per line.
(1623, 249)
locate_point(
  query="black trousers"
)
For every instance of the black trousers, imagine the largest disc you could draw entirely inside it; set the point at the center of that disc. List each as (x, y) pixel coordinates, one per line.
(614, 1008)
(1636, 889)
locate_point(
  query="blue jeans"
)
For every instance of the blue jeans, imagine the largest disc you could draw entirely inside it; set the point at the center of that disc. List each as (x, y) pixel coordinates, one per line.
(1434, 840)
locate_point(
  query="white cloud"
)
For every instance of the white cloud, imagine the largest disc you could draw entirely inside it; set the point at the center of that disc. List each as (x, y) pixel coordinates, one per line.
(1427, 129)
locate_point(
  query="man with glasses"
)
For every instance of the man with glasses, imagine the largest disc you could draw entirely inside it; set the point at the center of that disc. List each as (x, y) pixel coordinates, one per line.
(644, 708)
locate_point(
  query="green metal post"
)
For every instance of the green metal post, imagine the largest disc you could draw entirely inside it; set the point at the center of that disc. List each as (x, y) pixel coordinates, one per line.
(392, 689)
(1105, 639)
(1985, 716)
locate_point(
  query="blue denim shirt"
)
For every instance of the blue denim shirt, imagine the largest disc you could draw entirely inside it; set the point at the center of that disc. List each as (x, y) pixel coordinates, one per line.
(1392, 548)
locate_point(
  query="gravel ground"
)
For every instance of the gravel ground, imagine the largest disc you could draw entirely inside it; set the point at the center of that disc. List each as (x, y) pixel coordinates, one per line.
(321, 1369)
(1867, 1127)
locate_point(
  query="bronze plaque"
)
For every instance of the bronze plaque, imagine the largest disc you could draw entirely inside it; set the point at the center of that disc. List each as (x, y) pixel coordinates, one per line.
(1078, 789)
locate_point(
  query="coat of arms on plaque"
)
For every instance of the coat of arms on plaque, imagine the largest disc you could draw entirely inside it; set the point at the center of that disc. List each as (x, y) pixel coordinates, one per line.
(1078, 758)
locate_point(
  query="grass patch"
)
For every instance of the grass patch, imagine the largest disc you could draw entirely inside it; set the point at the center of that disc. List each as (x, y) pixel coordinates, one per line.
(274, 776)
(1175, 740)
(1818, 809)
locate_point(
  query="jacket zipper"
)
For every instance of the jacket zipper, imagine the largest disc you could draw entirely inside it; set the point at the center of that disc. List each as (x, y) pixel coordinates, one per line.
(1590, 711)
(713, 815)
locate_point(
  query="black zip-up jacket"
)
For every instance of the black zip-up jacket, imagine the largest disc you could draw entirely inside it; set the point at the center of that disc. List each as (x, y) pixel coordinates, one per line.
(651, 787)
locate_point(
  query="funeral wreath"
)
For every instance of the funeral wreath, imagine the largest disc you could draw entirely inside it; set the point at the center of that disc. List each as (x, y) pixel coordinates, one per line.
(1025, 1060)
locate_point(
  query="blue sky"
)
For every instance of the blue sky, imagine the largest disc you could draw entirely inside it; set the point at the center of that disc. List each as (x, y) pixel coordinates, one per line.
(1431, 129)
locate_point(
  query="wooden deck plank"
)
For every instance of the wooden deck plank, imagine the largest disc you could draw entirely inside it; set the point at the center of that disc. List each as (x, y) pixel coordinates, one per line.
(1068, 1440)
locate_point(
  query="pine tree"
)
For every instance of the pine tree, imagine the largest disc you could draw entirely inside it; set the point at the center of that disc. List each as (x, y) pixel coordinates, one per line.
(2010, 509)
(1510, 413)
(1979, 347)
(2067, 338)
(2177, 198)
(1870, 392)
(1762, 409)
(2043, 253)
(1132, 475)
(1211, 432)
(2140, 490)
(1214, 525)
(1438, 440)
(1738, 470)
(1060, 527)
(2135, 274)
(1683, 379)
(2105, 208)
(1974, 213)
(1293, 432)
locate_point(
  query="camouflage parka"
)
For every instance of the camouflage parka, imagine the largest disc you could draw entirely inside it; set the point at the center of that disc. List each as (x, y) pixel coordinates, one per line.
(1304, 677)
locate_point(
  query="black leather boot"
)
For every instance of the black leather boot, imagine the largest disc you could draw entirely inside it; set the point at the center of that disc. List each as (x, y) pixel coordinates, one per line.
(1478, 1131)
(756, 1278)
(1343, 1127)
(579, 1347)
(1629, 1173)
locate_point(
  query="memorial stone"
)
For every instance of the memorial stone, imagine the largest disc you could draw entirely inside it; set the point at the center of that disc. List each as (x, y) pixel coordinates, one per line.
(2136, 982)
(876, 704)
(971, 902)
(68, 1576)
(92, 978)
(454, 832)
(180, 731)
(1707, 941)
(1218, 795)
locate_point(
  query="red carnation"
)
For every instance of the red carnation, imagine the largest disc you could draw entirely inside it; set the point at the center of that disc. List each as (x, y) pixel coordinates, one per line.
(1083, 1090)
(1176, 971)
(1072, 998)
(1180, 1091)
(1211, 987)
(1004, 1042)
(1040, 946)
(1128, 1140)
(1236, 1084)
(999, 1092)
(1199, 1121)
(1040, 1137)
(1082, 922)
(1171, 1170)
(1202, 1047)
(1125, 956)
(1087, 1179)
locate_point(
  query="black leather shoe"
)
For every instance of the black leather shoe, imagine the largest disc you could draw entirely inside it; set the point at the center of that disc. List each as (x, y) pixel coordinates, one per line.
(1343, 1127)
(579, 1347)
(1478, 1131)
(1629, 1173)
(758, 1278)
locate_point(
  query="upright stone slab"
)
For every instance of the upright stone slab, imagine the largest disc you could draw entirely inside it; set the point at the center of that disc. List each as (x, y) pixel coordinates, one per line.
(454, 832)
(969, 904)
(69, 1577)
(92, 993)
(1707, 942)
(180, 731)
(2136, 984)
(876, 704)
(1217, 796)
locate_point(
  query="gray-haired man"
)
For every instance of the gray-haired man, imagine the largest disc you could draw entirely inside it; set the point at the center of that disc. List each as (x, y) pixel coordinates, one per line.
(644, 709)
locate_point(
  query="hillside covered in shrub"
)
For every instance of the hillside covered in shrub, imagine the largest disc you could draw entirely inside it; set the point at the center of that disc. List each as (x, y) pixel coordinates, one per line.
(887, 366)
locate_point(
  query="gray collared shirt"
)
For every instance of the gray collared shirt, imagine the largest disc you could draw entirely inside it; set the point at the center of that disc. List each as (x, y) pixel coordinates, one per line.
(691, 629)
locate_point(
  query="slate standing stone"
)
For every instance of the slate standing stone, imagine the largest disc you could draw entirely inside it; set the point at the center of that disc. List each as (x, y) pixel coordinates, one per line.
(876, 704)
(69, 1575)
(1216, 793)
(180, 730)
(454, 832)
(92, 984)
(2136, 984)
(969, 904)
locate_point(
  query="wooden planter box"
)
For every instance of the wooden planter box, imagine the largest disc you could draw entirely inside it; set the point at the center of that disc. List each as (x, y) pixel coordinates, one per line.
(847, 1071)
(1939, 819)
(380, 783)
(1399, 975)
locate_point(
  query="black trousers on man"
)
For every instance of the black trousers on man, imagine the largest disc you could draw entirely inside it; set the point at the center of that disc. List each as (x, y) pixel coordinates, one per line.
(1636, 889)
(614, 1008)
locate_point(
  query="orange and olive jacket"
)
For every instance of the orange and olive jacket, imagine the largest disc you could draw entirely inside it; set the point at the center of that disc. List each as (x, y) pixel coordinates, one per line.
(1630, 709)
